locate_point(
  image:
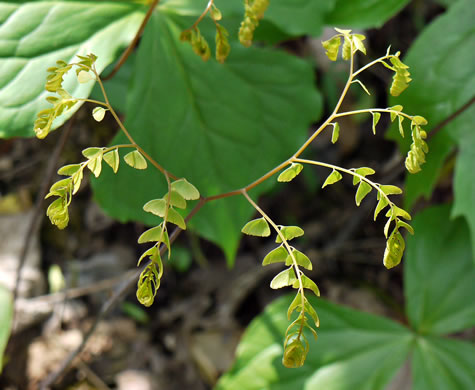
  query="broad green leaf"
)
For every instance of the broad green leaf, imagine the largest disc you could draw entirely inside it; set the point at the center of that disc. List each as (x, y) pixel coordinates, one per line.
(136, 160)
(277, 255)
(257, 227)
(35, 34)
(187, 190)
(464, 184)
(447, 3)
(363, 13)
(438, 93)
(6, 318)
(112, 159)
(363, 190)
(439, 274)
(300, 17)
(290, 173)
(283, 279)
(355, 350)
(440, 364)
(213, 136)
(289, 233)
(332, 178)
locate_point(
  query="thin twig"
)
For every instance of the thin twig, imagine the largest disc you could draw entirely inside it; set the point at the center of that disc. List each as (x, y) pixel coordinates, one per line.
(38, 209)
(132, 45)
(203, 14)
(92, 376)
(450, 118)
(77, 292)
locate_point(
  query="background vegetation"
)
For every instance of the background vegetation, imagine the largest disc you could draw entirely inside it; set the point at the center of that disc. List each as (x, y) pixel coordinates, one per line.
(222, 126)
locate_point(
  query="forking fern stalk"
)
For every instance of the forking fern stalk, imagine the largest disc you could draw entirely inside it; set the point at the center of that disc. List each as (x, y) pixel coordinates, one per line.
(303, 317)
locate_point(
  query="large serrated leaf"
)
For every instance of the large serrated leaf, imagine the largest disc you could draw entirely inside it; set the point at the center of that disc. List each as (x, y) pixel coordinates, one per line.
(35, 34)
(213, 136)
(355, 350)
(439, 274)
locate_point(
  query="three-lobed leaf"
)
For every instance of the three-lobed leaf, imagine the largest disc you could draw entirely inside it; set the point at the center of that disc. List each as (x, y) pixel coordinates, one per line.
(112, 159)
(289, 233)
(187, 190)
(277, 255)
(334, 177)
(257, 227)
(136, 160)
(290, 173)
(363, 190)
(284, 279)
